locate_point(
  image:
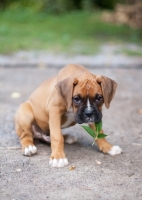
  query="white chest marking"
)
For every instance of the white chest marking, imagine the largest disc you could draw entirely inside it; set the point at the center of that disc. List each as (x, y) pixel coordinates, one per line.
(70, 119)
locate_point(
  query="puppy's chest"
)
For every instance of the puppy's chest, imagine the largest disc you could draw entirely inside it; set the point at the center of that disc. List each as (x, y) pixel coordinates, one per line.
(68, 119)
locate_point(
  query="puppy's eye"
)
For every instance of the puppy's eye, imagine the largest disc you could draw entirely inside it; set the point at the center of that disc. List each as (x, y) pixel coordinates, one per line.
(99, 98)
(77, 100)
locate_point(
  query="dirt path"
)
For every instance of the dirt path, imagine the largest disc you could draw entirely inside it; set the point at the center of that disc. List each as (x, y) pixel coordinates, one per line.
(31, 178)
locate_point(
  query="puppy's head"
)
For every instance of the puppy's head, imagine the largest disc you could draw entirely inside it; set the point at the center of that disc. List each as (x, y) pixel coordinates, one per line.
(86, 93)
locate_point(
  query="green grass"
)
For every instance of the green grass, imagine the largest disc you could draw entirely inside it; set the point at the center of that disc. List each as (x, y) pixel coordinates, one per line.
(76, 32)
(128, 52)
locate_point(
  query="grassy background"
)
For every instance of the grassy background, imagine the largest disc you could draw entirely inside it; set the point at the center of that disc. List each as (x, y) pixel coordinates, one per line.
(75, 32)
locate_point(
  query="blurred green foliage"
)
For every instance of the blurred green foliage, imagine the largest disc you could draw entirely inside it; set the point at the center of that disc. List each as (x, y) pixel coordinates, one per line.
(58, 6)
(36, 24)
(76, 32)
(107, 4)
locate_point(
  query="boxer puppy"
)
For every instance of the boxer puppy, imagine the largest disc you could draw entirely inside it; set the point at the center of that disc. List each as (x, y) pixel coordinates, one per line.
(73, 96)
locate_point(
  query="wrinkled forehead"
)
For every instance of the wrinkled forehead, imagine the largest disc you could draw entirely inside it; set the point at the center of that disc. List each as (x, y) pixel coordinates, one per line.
(88, 88)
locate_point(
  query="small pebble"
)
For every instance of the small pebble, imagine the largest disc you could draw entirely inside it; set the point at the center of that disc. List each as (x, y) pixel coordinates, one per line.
(72, 168)
(15, 95)
(98, 162)
(19, 170)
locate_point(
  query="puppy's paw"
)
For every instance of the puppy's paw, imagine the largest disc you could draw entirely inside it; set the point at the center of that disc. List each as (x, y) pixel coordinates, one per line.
(115, 150)
(58, 162)
(29, 150)
(70, 139)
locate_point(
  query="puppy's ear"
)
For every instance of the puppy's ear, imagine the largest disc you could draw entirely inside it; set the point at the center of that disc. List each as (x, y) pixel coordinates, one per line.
(65, 90)
(108, 88)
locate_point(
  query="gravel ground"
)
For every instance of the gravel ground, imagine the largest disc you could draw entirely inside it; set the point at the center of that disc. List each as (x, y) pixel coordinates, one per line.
(110, 56)
(31, 178)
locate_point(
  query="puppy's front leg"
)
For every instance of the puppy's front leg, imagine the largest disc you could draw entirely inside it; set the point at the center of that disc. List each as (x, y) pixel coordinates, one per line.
(57, 158)
(105, 146)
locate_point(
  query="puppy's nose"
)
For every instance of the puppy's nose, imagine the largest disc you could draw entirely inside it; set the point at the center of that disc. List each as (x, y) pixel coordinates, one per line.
(88, 111)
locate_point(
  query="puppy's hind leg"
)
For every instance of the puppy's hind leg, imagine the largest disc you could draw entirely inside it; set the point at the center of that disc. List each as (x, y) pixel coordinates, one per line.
(23, 124)
(70, 139)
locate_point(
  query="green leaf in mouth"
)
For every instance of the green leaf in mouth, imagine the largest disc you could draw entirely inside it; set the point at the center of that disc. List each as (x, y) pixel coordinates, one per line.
(95, 134)
(98, 126)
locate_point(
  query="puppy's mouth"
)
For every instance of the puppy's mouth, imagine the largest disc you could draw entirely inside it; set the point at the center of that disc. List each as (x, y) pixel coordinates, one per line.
(88, 115)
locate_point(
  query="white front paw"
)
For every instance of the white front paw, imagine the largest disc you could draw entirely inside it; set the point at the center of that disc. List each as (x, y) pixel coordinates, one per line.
(58, 162)
(30, 150)
(115, 150)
